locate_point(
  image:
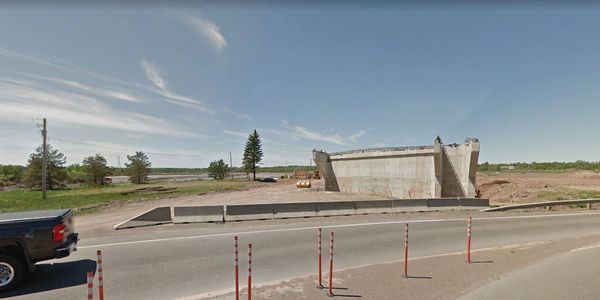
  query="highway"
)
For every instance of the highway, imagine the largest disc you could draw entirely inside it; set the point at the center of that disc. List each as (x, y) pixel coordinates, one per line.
(571, 275)
(191, 261)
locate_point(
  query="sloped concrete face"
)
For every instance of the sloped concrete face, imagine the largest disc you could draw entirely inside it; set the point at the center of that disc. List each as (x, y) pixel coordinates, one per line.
(404, 172)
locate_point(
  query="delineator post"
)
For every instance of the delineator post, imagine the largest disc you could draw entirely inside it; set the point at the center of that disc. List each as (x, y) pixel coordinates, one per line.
(406, 250)
(100, 276)
(469, 240)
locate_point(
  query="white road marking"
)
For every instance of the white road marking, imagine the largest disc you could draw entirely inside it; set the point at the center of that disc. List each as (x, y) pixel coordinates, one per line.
(329, 226)
(586, 248)
(219, 293)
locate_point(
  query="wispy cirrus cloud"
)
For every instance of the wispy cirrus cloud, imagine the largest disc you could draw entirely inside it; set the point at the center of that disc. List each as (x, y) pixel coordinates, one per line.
(356, 136)
(208, 30)
(304, 133)
(235, 133)
(152, 72)
(91, 90)
(21, 103)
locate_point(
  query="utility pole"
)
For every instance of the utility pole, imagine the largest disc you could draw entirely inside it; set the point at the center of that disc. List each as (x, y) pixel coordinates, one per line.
(44, 163)
(231, 165)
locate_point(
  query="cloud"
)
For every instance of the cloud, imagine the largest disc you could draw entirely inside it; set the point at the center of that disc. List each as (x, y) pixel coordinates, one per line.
(354, 137)
(240, 115)
(208, 30)
(153, 74)
(235, 133)
(96, 91)
(21, 103)
(306, 134)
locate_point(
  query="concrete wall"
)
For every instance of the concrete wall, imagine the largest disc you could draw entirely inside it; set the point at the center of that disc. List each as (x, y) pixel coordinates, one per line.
(404, 172)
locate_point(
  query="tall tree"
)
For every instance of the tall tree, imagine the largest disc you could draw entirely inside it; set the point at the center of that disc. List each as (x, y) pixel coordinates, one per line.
(252, 153)
(138, 167)
(57, 172)
(96, 169)
(218, 169)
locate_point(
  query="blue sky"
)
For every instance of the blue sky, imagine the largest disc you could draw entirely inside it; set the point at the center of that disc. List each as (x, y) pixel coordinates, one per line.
(187, 84)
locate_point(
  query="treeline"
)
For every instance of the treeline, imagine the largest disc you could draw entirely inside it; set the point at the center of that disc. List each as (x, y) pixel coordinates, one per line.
(94, 169)
(540, 166)
(273, 169)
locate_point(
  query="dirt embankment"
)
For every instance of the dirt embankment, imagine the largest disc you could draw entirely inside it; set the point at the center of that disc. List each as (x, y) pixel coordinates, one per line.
(509, 188)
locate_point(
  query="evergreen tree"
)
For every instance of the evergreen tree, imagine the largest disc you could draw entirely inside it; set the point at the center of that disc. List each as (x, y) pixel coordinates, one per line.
(218, 169)
(138, 167)
(252, 153)
(57, 172)
(96, 169)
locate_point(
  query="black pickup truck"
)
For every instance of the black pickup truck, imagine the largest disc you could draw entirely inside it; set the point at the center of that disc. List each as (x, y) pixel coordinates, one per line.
(30, 237)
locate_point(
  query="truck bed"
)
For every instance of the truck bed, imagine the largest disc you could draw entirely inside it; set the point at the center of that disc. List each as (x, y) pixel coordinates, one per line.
(32, 215)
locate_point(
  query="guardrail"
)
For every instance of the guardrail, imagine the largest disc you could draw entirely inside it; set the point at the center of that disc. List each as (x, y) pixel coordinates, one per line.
(548, 204)
(242, 212)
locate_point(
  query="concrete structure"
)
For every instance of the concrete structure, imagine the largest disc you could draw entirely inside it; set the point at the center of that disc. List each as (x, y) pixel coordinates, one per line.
(436, 171)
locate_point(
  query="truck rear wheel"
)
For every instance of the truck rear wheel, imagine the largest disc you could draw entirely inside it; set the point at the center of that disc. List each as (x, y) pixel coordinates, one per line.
(11, 272)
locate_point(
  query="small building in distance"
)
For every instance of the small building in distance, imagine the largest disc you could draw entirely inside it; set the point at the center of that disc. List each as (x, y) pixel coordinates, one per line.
(435, 171)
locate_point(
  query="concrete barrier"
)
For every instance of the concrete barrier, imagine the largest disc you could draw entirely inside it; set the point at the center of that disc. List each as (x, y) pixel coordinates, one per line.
(294, 210)
(373, 207)
(248, 212)
(474, 202)
(155, 216)
(325, 209)
(194, 214)
(449, 202)
(402, 205)
(198, 214)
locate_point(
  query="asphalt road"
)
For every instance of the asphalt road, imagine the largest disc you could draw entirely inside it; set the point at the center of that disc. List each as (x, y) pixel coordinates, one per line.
(186, 261)
(571, 275)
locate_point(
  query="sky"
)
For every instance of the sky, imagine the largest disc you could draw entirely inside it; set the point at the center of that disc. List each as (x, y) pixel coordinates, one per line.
(187, 84)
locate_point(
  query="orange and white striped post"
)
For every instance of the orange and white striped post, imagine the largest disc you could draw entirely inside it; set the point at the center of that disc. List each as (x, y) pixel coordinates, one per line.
(330, 293)
(320, 285)
(469, 240)
(237, 272)
(100, 277)
(249, 271)
(90, 285)
(406, 250)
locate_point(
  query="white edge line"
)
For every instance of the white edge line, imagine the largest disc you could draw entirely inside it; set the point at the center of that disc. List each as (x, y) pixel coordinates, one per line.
(329, 226)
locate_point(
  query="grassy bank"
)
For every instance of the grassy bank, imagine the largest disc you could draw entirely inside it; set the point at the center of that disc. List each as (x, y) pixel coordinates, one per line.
(89, 198)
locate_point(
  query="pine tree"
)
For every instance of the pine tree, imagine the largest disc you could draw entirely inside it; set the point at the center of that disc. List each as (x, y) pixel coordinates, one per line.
(253, 153)
(96, 169)
(138, 167)
(57, 172)
(218, 169)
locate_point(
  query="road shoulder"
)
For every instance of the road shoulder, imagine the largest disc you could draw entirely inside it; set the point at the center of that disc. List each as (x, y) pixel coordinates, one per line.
(445, 276)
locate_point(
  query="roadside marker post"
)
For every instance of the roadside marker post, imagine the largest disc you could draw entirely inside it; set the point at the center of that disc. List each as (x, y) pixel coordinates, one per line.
(320, 285)
(469, 240)
(406, 250)
(330, 293)
(249, 271)
(90, 285)
(100, 277)
(237, 273)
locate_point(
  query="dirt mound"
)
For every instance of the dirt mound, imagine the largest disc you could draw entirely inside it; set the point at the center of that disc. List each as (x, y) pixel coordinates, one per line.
(495, 182)
(513, 188)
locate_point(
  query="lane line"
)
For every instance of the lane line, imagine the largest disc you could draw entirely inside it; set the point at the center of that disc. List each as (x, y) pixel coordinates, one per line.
(586, 248)
(330, 226)
(223, 292)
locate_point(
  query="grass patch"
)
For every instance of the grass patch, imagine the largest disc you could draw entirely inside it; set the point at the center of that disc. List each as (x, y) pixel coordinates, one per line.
(567, 195)
(88, 198)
